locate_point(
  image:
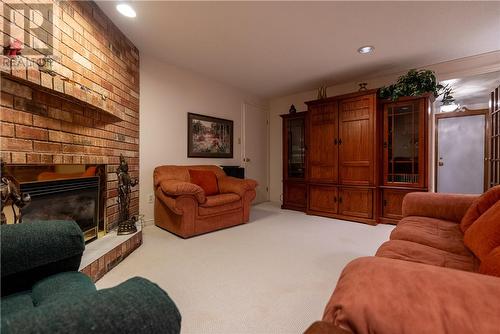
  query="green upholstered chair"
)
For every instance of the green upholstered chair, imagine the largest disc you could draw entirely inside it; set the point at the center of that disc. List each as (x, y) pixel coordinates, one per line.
(43, 292)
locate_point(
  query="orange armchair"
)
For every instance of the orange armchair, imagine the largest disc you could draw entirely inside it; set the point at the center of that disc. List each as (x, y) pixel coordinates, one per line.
(181, 207)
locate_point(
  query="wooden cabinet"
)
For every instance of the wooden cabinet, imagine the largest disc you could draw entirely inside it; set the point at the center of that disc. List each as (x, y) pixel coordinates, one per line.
(356, 140)
(493, 137)
(323, 142)
(356, 202)
(404, 146)
(294, 161)
(323, 199)
(341, 156)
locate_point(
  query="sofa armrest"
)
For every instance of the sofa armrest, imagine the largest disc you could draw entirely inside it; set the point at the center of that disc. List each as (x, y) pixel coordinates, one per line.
(451, 207)
(381, 295)
(324, 327)
(229, 184)
(179, 188)
(32, 251)
(135, 306)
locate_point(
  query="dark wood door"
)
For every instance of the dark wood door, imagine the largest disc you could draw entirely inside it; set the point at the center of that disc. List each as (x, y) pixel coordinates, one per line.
(295, 195)
(357, 140)
(322, 144)
(356, 202)
(323, 198)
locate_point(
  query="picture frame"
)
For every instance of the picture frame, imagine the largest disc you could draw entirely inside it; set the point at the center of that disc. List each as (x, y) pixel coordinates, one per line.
(209, 137)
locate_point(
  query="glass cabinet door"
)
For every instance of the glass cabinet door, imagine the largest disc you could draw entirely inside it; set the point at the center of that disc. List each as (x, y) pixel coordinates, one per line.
(296, 148)
(402, 143)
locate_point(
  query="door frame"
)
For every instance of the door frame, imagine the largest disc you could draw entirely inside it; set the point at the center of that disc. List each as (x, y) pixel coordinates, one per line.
(452, 114)
(243, 141)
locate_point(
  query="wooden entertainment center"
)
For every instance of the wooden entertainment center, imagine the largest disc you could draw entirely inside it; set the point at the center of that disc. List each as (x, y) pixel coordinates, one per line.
(354, 156)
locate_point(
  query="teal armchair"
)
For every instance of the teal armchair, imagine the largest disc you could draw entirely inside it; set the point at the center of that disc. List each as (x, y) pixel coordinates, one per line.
(43, 292)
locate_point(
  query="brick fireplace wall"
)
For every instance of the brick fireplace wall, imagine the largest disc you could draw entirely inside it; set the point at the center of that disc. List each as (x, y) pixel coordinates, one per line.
(86, 114)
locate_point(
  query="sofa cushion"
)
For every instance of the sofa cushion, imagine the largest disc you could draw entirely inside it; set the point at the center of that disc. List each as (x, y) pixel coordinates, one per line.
(217, 204)
(377, 295)
(484, 235)
(480, 206)
(61, 287)
(491, 263)
(440, 234)
(414, 252)
(206, 180)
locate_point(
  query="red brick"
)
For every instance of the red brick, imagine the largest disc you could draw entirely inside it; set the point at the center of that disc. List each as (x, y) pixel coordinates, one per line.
(6, 156)
(47, 147)
(7, 100)
(16, 116)
(16, 89)
(33, 158)
(18, 157)
(60, 114)
(13, 144)
(27, 132)
(7, 130)
(48, 123)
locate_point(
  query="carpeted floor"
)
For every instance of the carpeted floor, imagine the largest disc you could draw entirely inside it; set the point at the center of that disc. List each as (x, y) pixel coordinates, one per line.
(272, 275)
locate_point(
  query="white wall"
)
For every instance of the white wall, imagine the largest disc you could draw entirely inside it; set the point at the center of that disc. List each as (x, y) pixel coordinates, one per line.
(168, 93)
(464, 67)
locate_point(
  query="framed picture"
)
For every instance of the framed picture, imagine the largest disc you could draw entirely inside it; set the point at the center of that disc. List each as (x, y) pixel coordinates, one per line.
(209, 137)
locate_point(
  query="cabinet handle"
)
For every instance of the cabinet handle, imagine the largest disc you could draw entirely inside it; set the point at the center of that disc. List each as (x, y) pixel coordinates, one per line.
(340, 141)
(340, 200)
(335, 141)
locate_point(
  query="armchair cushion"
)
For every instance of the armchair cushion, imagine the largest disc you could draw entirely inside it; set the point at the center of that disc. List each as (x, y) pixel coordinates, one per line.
(32, 251)
(179, 188)
(228, 184)
(480, 206)
(206, 179)
(484, 235)
(220, 199)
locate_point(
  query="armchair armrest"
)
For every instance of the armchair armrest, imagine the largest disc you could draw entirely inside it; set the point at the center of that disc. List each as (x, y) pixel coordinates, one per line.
(229, 184)
(381, 295)
(32, 251)
(450, 207)
(179, 188)
(135, 306)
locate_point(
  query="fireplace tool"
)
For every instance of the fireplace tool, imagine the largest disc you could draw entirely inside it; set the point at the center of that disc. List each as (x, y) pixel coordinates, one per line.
(10, 195)
(126, 223)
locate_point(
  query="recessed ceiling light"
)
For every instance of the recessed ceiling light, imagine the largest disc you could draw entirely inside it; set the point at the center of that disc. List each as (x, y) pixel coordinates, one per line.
(126, 10)
(366, 49)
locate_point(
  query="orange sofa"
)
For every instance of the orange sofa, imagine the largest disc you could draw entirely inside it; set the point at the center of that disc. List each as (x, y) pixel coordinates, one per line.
(184, 209)
(438, 273)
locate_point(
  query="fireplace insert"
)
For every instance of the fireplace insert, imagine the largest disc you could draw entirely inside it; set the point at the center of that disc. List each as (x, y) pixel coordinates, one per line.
(76, 199)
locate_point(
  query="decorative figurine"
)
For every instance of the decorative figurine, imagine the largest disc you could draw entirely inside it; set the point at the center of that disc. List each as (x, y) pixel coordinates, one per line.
(362, 87)
(322, 92)
(292, 109)
(126, 223)
(10, 195)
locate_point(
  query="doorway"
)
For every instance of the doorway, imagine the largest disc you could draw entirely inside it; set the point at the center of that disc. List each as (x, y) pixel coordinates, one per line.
(460, 152)
(255, 148)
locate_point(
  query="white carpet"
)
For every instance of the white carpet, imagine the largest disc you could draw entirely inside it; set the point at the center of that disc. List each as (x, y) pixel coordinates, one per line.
(272, 275)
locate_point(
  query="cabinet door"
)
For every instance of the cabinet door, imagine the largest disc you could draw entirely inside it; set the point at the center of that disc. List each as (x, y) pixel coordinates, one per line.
(392, 203)
(322, 148)
(356, 202)
(323, 198)
(295, 194)
(357, 140)
(294, 147)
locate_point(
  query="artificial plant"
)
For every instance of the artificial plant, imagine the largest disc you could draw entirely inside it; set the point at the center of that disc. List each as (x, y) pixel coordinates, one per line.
(415, 83)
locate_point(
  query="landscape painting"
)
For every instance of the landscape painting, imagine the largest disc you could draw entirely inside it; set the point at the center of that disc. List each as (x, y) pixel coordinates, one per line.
(209, 137)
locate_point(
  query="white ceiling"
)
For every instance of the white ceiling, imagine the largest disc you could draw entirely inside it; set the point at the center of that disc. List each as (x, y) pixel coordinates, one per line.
(276, 48)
